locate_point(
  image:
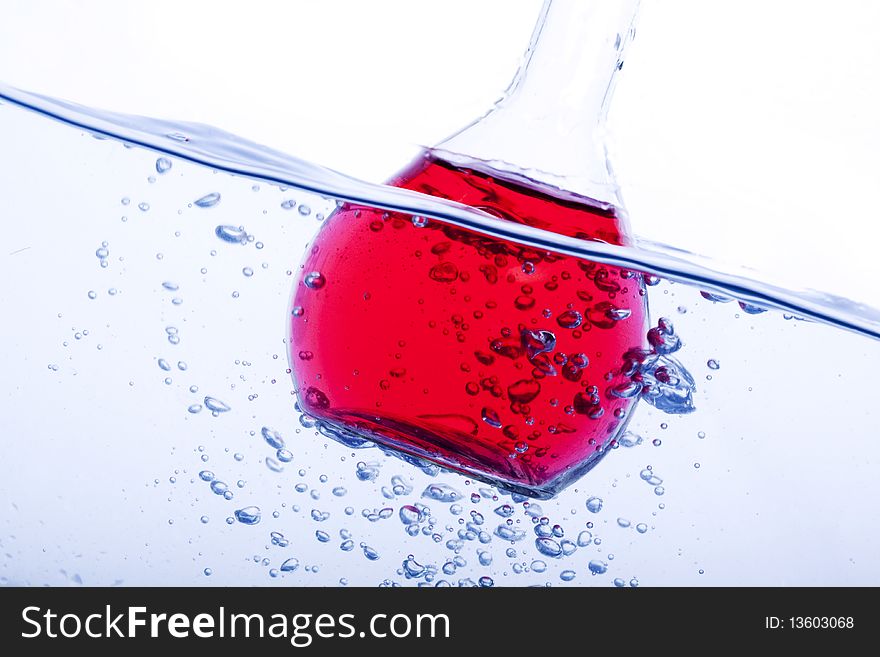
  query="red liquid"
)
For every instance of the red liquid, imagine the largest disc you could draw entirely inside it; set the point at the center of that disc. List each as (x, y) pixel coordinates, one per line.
(429, 339)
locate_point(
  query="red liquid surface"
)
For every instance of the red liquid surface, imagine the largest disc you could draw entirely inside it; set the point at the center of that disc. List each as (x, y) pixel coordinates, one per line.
(435, 340)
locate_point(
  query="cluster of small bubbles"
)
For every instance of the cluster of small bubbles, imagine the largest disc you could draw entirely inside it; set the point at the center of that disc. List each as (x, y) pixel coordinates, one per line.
(103, 255)
(319, 516)
(647, 475)
(377, 514)
(662, 381)
(173, 336)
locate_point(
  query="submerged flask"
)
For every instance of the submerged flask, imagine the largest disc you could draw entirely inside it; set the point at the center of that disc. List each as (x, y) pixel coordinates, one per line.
(490, 357)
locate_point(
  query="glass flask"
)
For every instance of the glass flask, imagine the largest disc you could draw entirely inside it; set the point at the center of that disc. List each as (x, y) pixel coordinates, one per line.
(511, 365)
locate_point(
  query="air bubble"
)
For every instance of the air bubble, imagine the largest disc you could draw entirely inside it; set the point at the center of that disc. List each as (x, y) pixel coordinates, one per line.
(275, 440)
(249, 515)
(216, 406)
(231, 234)
(314, 280)
(208, 200)
(597, 567)
(491, 418)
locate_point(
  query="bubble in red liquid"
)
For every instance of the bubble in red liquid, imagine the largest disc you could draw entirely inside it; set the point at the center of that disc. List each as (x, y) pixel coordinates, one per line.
(487, 356)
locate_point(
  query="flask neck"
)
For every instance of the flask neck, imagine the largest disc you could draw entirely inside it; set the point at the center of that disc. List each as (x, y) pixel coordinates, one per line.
(549, 124)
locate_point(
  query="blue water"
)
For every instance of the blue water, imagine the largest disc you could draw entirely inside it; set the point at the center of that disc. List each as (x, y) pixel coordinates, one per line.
(222, 151)
(150, 435)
